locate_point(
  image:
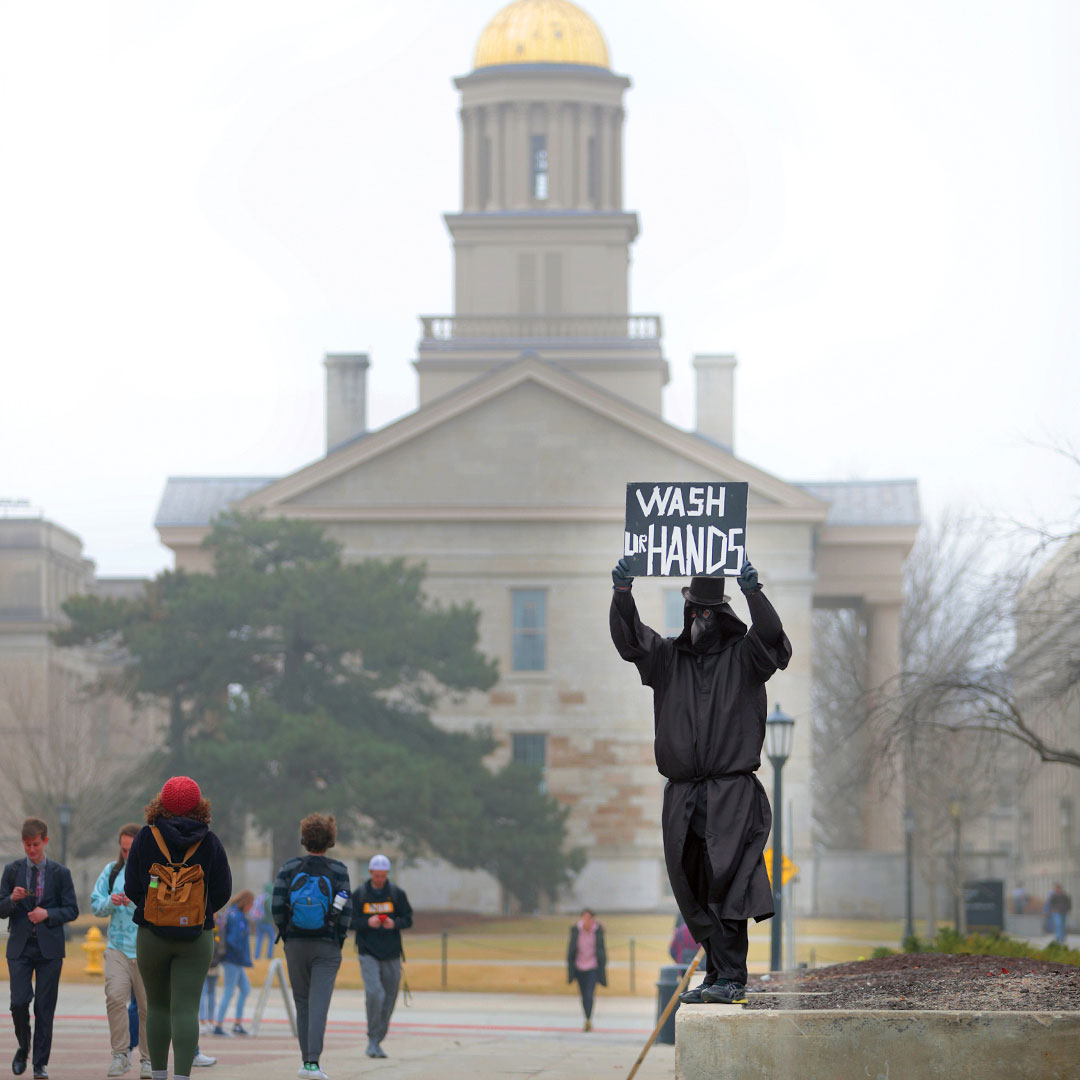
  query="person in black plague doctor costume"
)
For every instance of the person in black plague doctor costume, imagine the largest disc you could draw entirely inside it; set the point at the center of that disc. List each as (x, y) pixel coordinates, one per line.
(709, 714)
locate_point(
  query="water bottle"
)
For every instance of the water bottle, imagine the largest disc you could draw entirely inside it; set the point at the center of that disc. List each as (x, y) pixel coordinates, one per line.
(340, 901)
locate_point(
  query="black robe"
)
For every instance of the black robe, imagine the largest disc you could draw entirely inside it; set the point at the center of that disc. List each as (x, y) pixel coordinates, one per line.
(709, 716)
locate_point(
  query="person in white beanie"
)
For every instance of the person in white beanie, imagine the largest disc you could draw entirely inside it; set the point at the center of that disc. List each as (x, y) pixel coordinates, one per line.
(380, 912)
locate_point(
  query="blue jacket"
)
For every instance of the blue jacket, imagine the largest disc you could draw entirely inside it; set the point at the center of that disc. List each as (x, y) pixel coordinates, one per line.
(237, 939)
(122, 928)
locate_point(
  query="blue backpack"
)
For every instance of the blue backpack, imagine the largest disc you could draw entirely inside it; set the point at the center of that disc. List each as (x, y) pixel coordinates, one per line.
(309, 901)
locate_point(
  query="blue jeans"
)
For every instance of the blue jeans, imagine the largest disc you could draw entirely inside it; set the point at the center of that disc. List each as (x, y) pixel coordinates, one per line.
(235, 979)
(206, 1001)
(267, 931)
(133, 1021)
(1057, 922)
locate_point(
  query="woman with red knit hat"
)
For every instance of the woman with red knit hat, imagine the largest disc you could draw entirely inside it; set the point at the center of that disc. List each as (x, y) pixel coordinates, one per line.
(173, 959)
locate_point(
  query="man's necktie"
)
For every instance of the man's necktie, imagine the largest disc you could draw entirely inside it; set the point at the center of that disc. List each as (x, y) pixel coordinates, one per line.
(32, 888)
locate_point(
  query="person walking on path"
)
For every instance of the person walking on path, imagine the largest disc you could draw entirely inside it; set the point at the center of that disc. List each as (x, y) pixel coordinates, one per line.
(262, 916)
(311, 906)
(380, 912)
(36, 897)
(208, 999)
(683, 947)
(236, 958)
(1058, 905)
(709, 710)
(122, 979)
(175, 939)
(586, 960)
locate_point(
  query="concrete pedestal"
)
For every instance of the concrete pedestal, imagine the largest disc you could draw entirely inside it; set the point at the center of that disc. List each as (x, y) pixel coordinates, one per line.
(831, 1044)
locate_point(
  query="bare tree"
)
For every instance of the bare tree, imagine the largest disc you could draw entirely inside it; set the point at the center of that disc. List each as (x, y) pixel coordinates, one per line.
(66, 745)
(956, 616)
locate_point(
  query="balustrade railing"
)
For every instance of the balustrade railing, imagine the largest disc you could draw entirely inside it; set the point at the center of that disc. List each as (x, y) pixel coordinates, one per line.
(525, 327)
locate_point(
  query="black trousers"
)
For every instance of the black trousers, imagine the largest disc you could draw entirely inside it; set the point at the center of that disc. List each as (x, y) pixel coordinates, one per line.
(586, 981)
(34, 979)
(727, 945)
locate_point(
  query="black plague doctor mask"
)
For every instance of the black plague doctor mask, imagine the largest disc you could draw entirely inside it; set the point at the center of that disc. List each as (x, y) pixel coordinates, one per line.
(708, 621)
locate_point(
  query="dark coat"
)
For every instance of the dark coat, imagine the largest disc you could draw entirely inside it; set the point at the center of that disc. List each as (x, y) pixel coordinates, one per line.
(389, 900)
(709, 719)
(601, 955)
(179, 834)
(57, 898)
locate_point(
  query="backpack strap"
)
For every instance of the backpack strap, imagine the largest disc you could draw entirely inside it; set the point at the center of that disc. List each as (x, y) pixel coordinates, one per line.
(165, 851)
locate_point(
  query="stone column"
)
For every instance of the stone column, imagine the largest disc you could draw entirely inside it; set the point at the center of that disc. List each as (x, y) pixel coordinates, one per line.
(469, 160)
(567, 195)
(605, 138)
(584, 125)
(521, 173)
(620, 116)
(499, 155)
(883, 798)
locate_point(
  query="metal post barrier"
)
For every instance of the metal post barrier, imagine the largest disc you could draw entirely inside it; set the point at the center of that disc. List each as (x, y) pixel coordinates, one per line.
(276, 969)
(445, 935)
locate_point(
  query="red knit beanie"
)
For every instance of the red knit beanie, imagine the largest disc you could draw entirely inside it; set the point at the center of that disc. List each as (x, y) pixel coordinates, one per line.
(180, 795)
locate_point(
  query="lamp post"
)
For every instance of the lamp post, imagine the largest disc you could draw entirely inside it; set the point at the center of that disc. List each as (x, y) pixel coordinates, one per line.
(909, 849)
(64, 812)
(955, 808)
(65, 824)
(779, 730)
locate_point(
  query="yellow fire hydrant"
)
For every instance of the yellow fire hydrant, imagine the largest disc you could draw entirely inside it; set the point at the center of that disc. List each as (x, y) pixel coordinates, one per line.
(94, 948)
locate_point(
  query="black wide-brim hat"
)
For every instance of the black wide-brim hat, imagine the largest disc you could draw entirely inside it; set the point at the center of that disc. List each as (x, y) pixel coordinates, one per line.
(706, 591)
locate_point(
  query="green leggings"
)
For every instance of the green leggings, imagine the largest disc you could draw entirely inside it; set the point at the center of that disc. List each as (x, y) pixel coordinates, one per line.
(173, 973)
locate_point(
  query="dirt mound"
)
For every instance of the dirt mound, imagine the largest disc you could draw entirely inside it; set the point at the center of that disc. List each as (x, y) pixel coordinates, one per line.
(924, 981)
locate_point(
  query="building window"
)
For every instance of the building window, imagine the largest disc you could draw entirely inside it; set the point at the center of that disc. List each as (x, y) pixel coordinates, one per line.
(530, 750)
(539, 157)
(530, 630)
(674, 605)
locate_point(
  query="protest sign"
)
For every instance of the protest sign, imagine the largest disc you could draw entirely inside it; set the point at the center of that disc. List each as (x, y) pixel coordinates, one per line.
(685, 530)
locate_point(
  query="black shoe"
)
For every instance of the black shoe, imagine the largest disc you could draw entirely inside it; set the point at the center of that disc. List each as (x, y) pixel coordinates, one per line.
(693, 997)
(18, 1064)
(724, 992)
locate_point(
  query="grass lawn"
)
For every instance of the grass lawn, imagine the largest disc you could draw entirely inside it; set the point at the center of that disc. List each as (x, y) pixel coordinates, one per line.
(528, 955)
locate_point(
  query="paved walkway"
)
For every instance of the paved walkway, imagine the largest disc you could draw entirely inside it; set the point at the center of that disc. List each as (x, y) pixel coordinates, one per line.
(441, 1036)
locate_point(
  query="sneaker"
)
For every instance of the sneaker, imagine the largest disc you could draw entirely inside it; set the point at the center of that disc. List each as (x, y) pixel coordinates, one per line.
(310, 1069)
(239, 1029)
(145, 1071)
(203, 1060)
(120, 1065)
(372, 1049)
(379, 1051)
(218, 1030)
(724, 992)
(693, 996)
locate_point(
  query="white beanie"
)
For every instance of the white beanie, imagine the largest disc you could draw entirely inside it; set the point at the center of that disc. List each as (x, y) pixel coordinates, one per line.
(379, 862)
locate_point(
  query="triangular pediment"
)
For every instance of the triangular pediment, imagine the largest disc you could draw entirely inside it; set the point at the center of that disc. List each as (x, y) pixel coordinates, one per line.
(529, 435)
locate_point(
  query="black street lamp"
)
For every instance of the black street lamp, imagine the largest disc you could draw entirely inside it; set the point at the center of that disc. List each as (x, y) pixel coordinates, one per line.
(65, 824)
(909, 849)
(779, 731)
(956, 808)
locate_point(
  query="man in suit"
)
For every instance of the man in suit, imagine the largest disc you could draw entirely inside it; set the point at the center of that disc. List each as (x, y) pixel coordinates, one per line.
(36, 897)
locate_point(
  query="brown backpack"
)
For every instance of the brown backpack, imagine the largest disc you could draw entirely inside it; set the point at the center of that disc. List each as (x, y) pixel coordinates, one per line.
(177, 892)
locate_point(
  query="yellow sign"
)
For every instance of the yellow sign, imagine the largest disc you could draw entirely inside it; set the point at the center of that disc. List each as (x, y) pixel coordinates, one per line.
(787, 868)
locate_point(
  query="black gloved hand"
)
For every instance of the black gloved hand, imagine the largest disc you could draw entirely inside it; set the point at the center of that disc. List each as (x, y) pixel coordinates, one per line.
(747, 579)
(621, 577)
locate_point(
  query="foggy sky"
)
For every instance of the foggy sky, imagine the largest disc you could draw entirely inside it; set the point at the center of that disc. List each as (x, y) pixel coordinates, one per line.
(873, 207)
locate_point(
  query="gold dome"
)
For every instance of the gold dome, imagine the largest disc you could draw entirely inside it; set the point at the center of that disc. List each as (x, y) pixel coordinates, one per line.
(541, 32)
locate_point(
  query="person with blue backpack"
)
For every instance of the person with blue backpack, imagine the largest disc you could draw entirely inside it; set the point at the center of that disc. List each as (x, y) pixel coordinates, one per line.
(237, 957)
(312, 909)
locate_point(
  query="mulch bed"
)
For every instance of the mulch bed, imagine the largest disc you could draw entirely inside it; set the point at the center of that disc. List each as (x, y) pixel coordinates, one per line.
(924, 981)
